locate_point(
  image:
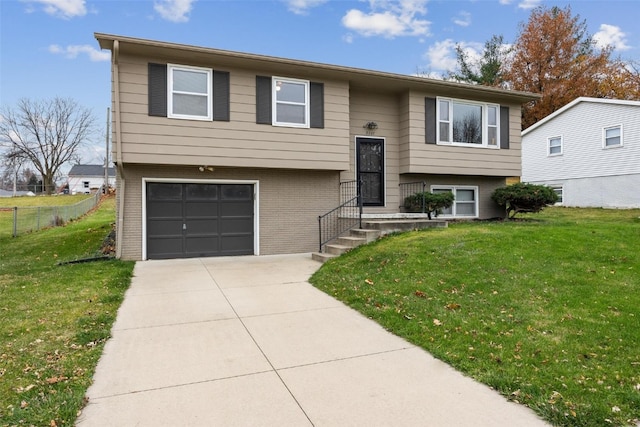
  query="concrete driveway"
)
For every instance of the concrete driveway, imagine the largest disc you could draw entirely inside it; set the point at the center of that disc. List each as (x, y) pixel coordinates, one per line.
(246, 341)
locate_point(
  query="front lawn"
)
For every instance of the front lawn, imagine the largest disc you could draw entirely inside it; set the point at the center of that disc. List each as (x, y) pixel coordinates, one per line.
(55, 318)
(546, 309)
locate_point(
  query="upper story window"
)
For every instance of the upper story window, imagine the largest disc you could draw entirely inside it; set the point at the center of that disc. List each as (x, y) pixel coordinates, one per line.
(554, 146)
(612, 137)
(290, 102)
(189, 92)
(468, 123)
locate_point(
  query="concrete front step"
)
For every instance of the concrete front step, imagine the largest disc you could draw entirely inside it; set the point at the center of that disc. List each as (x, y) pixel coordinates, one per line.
(372, 230)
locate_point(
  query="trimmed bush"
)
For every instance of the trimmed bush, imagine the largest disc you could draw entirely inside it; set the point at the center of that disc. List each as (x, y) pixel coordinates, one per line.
(432, 202)
(523, 197)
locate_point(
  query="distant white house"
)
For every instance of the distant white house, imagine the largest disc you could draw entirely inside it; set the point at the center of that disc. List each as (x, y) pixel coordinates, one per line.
(88, 178)
(588, 152)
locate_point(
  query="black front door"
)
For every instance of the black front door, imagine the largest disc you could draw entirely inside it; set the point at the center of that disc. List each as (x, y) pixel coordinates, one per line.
(196, 220)
(370, 167)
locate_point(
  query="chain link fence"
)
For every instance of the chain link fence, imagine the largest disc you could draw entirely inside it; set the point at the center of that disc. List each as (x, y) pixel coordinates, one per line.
(20, 220)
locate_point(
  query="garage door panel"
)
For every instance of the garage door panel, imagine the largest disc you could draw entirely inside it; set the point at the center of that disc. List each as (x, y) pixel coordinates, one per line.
(202, 192)
(192, 220)
(202, 226)
(199, 245)
(201, 209)
(164, 209)
(237, 192)
(165, 247)
(236, 208)
(236, 245)
(164, 228)
(236, 225)
(164, 191)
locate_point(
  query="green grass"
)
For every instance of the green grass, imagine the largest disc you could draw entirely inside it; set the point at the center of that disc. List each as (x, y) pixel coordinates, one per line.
(25, 201)
(28, 217)
(55, 319)
(546, 310)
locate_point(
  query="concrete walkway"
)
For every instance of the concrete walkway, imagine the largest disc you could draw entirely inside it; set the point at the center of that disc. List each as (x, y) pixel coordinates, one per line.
(246, 341)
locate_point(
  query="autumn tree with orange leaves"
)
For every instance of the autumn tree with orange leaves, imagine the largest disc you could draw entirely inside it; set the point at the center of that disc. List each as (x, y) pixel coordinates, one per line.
(555, 57)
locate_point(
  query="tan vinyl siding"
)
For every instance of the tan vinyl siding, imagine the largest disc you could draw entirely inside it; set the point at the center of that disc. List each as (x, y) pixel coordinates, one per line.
(419, 157)
(382, 109)
(239, 142)
(289, 204)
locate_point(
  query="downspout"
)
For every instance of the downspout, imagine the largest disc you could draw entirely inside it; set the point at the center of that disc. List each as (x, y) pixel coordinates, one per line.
(118, 138)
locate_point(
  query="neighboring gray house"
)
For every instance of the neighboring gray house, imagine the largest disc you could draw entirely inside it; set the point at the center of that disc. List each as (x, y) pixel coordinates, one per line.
(88, 178)
(230, 153)
(588, 152)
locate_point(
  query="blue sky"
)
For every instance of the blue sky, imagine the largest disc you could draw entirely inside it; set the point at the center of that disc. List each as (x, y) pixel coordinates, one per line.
(47, 47)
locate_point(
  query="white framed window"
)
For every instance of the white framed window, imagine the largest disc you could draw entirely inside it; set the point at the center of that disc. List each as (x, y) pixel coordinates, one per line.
(612, 137)
(465, 204)
(85, 184)
(559, 190)
(468, 123)
(189, 92)
(554, 146)
(290, 102)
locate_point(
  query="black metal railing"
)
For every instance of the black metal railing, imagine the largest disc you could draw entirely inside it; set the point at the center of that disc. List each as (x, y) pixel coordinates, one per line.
(409, 189)
(343, 218)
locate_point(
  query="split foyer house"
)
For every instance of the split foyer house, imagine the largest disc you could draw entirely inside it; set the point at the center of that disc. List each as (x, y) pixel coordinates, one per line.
(228, 153)
(588, 152)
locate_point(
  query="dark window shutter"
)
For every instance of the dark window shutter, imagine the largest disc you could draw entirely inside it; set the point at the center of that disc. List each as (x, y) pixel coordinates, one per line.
(263, 100)
(504, 127)
(430, 120)
(221, 96)
(316, 108)
(157, 90)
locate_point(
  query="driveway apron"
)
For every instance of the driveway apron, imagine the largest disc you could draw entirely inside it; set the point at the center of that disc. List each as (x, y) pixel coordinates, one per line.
(247, 341)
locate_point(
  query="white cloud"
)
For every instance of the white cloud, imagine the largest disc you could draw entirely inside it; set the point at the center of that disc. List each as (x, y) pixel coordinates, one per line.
(174, 10)
(611, 35)
(65, 9)
(72, 52)
(301, 7)
(389, 18)
(505, 1)
(529, 4)
(463, 19)
(442, 55)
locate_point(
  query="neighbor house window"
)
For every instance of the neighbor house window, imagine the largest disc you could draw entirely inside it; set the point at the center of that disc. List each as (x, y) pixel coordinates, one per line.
(613, 136)
(468, 123)
(290, 102)
(189, 93)
(85, 184)
(558, 189)
(465, 203)
(554, 146)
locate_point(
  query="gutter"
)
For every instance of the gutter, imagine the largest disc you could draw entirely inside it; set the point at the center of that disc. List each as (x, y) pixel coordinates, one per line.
(118, 136)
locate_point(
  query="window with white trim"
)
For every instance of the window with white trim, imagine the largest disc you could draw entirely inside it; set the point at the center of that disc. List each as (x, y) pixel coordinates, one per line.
(554, 146)
(290, 102)
(465, 204)
(189, 92)
(558, 189)
(468, 123)
(612, 136)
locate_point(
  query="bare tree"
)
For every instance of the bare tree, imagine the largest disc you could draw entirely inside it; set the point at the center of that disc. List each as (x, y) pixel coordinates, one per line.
(47, 133)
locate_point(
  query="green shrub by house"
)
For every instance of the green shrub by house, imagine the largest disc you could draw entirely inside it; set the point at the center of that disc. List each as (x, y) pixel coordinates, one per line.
(523, 197)
(428, 202)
